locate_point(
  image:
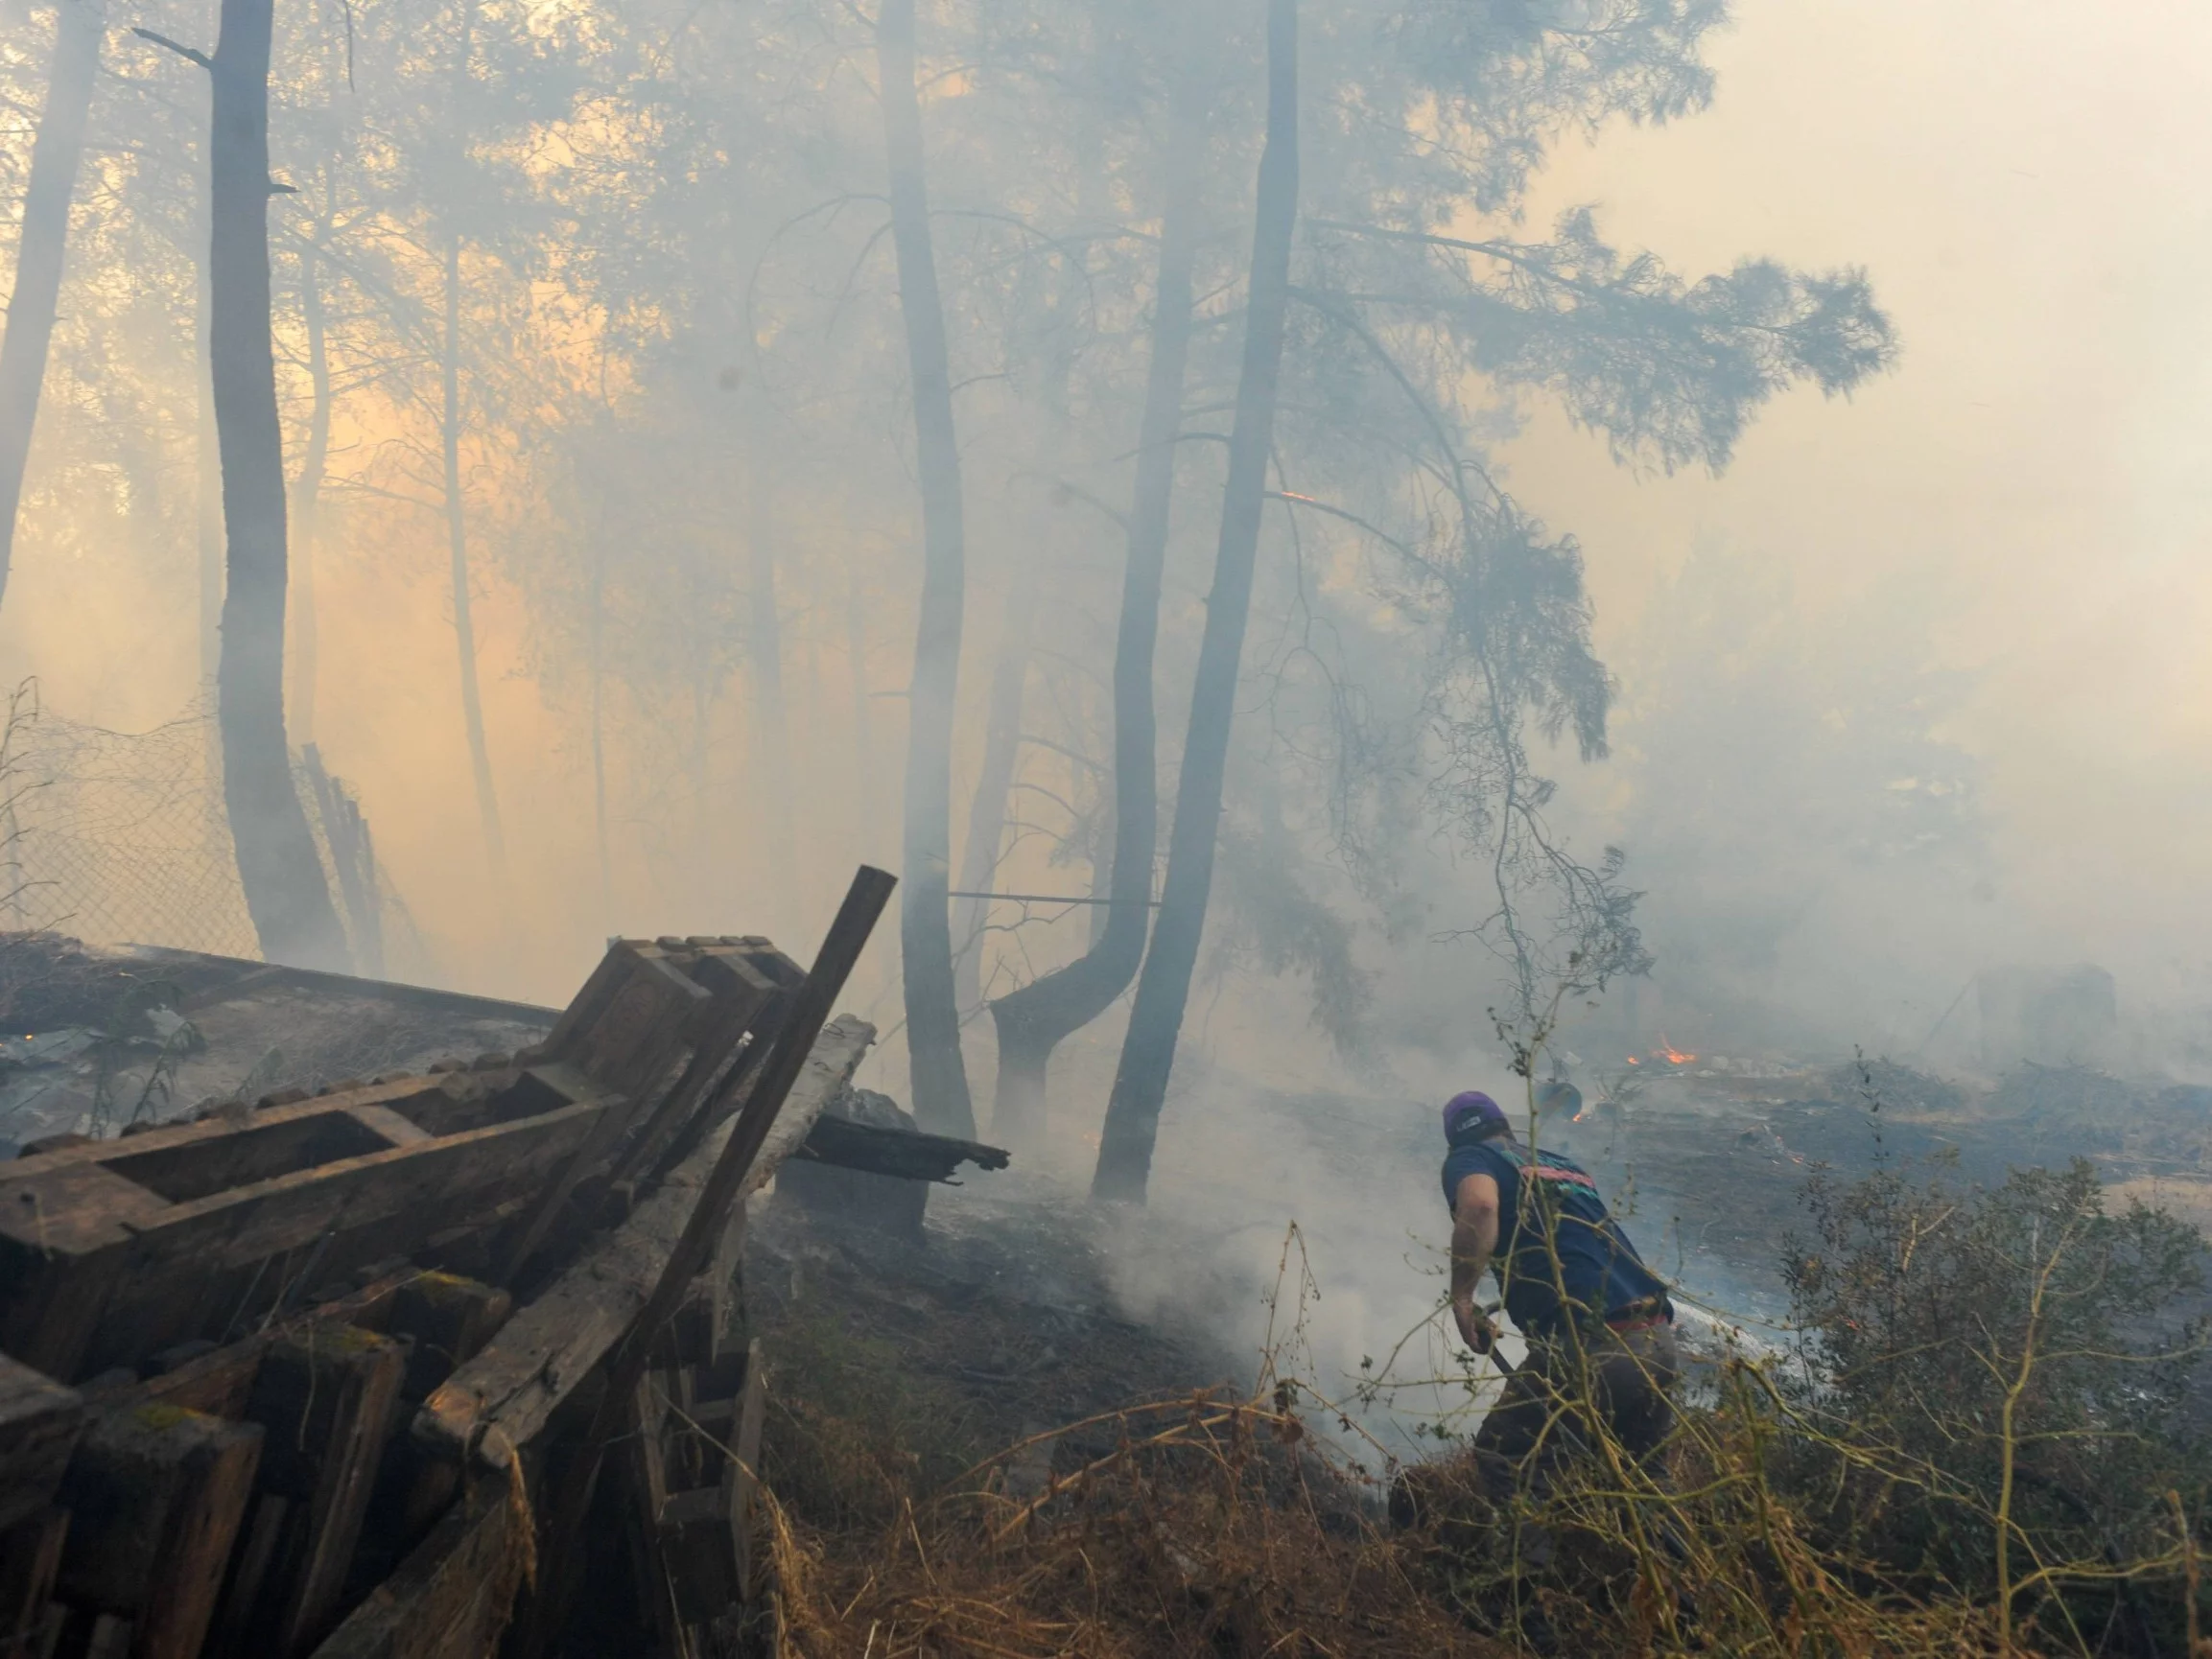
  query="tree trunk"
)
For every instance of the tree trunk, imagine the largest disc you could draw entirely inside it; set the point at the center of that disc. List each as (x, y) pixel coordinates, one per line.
(868, 802)
(595, 628)
(207, 509)
(307, 496)
(772, 728)
(286, 891)
(1163, 988)
(987, 812)
(44, 241)
(1035, 1019)
(939, 1074)
(457, 542)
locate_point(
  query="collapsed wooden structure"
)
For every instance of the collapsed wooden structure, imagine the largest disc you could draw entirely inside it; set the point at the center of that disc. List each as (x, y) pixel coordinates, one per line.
(297, 1378)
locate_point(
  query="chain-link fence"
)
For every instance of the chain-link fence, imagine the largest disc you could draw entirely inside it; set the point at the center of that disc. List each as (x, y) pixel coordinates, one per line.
(118, 837)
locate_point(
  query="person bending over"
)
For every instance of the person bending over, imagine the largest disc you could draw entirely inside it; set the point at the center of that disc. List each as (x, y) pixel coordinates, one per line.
(1600, 1328)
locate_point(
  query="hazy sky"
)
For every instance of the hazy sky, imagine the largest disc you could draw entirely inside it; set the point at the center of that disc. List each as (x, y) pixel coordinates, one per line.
(2029, 489)
(2026, 183)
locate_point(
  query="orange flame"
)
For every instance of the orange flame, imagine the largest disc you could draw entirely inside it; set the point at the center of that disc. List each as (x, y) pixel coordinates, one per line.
(1675, 1056)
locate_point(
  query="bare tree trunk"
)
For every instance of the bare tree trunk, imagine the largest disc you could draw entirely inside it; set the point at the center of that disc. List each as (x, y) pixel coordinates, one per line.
(869, 803)
(457, 541)
(208, 514)
(307, 496)
(939, 1074)
(44, 242)
(1033, 1021)
(595, 626)
(286, 891)
(987, 812)
(771, 726)
(1163, 988)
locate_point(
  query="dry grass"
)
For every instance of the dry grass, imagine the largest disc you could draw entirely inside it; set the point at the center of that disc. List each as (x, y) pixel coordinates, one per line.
(1889, 1509)
(1207, 1528)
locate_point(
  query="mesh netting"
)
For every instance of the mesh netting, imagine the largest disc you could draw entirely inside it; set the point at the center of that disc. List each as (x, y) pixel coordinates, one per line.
(119, 837)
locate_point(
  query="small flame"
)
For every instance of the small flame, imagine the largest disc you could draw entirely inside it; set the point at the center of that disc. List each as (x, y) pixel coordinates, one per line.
(1675, 1056)
(1633, 1060)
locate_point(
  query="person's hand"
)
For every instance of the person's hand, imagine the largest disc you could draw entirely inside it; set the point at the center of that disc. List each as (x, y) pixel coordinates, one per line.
(1474, 1327)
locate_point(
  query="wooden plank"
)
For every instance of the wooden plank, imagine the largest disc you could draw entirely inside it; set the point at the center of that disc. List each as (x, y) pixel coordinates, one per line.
(749, 988)
(585, 1008)
(382, 1120)
(626, 1048)
(452, 1595)
(29, 1560)
(705, 1532)
(86, 1226)
(165, 1273)
(327, 1396)
(666, 1058)
(646, 1472)
(653, 1021)
(451, 1318)
(39, 1422)
(252, 1223)
(501, 1400)
(221, 1381)
(907, 1153)
(156, 1495)
(744, 1478)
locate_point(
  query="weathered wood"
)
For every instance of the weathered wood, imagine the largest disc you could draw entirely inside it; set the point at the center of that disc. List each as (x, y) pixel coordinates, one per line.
(589, 1003)
(450, 1319)
(738, 1160)
(82, 1240)
(645, 1470)
(749, 994)
(221, 1381)
(452, 1595)
(326, 1394)
(905, 1153)
(39, 1422)
(626, 1048)
(663, 1068)
(30, 1559)
(705, 1530)
(156, 1495)
(501, 1400)
(746, 1467)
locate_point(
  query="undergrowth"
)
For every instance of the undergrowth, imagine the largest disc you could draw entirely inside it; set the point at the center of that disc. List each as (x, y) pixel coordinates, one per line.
(1977, 1442)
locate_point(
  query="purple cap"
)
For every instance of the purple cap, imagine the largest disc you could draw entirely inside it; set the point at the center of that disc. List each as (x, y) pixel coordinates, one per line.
(1469, 1108)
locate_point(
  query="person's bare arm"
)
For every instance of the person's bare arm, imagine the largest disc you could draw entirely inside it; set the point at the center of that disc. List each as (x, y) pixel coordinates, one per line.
(1473, 1241)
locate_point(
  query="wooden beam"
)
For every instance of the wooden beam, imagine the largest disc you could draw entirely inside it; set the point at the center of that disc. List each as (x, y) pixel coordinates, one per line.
(452, 1595)
(29, 1560)
(39, 1422)
(501, 1400)
(907, 1153)
(97, 1269)
(326, 1394)
(738, 1161)
(156, 1495)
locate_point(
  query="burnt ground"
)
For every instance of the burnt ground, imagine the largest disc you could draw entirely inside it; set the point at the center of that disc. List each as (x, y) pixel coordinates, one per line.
(926, 1356)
